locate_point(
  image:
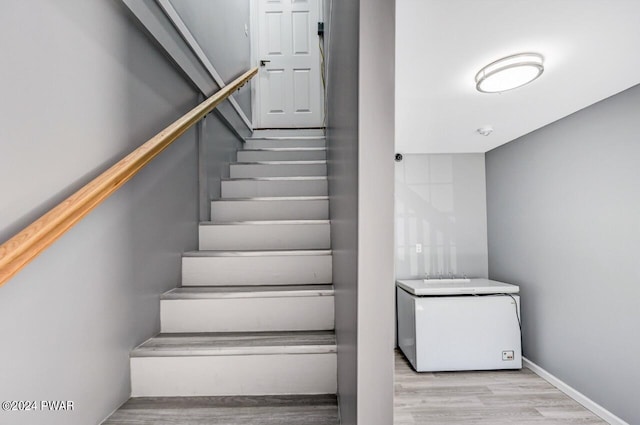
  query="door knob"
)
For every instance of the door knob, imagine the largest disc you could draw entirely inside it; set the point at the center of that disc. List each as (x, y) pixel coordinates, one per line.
(263, 62)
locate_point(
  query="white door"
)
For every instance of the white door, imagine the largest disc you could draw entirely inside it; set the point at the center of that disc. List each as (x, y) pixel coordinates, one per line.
(289, 90)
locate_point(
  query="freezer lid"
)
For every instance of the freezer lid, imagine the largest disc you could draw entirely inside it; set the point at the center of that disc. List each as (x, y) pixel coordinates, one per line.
(442, 287)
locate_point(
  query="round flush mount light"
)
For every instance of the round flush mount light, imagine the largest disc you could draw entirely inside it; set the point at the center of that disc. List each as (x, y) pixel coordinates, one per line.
(510, 72)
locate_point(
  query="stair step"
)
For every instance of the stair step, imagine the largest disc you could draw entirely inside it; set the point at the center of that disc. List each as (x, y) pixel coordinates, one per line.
(270, 291)
(282, 154)
(278, 169)
(288, 132)
(248, 363)
(237, 344)
(274, 186)
(272, 208)
(317, 409)
(247, 308)
(224, 268)
(285, 142)
(255, 235)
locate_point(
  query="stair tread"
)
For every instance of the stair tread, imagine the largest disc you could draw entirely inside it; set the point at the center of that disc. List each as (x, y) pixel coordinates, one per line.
(291, 149)
(276, 178)
(208, 402)
(229, 410)
(270, 291)
(275, 198)
(264, 222)
(282, 162)
(237, 343)
(292, 132)
(286, 138)
(256, 253)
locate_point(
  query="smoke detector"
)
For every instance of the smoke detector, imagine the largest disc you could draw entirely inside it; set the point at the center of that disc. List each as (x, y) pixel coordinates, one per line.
(485, 130)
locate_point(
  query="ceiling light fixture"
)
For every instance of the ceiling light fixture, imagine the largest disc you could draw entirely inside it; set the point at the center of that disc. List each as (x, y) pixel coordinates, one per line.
(510, 72)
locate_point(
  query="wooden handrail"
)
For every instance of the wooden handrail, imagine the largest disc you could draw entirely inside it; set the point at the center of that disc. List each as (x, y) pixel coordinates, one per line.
(18, 251)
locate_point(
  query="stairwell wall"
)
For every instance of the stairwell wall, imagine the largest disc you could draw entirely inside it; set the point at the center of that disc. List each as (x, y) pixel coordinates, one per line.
(219, 28)
(376, 306)
(360, 129)
(564, 207)
(342, 167)
(82, 86)
(218, 147)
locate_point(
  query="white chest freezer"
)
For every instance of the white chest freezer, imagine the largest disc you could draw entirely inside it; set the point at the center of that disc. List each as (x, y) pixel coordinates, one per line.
(469, 324)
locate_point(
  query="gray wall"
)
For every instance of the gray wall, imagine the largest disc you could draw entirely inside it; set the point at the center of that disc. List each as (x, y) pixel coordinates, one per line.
(81, 87)
(218, 27)
(218, 147)
(376, 130)
(342, 155)
(441, 204)
(360, 139)
(564, 208)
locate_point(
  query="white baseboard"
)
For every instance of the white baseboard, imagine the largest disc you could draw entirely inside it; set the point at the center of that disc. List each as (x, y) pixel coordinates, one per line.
(574, 394)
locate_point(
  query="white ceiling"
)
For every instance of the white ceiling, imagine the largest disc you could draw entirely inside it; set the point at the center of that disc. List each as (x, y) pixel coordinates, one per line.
(591, 50)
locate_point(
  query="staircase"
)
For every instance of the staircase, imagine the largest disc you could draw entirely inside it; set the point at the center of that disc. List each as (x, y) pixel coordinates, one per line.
(255, 313)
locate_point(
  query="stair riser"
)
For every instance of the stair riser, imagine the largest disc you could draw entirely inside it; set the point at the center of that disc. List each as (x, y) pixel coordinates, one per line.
(298, 132)
(266, 188)
(272, 270)
(269, 210)
(276, 170)
(250, 156)
(247, 314)
(264, 236)
(285, 143)
(233, 375)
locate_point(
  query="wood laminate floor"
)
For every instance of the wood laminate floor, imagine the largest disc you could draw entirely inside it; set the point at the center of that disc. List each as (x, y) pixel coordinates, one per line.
(263, 410)
(517, 397)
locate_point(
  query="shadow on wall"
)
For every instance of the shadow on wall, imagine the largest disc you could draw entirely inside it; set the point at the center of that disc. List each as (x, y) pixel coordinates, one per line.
(441, 210)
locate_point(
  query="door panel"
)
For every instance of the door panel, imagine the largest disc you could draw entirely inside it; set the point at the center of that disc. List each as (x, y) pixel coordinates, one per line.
(289, 88)
(274, 33)
(300, 32)
(301, 90)
(276, 93)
